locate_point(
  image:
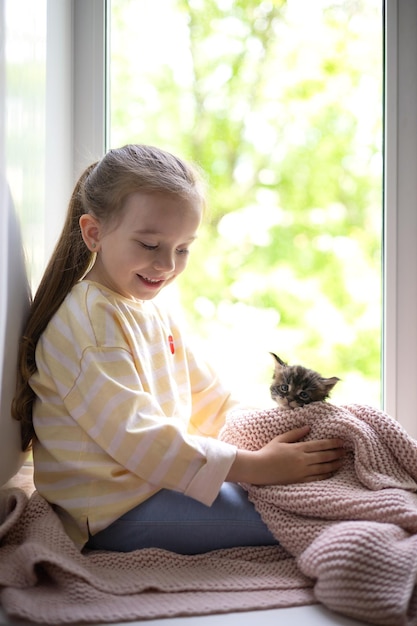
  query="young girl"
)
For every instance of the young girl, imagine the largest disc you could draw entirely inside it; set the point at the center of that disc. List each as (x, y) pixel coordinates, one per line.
(122, 416)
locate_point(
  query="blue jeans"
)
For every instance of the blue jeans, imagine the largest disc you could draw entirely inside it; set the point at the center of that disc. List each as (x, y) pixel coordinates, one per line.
(175, 522)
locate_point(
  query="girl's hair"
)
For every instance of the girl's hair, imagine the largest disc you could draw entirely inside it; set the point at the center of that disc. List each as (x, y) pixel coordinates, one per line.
(101, 191)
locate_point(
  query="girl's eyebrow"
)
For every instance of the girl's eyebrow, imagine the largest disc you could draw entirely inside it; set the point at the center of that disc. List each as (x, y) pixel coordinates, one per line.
(139, 231)
(156, 233)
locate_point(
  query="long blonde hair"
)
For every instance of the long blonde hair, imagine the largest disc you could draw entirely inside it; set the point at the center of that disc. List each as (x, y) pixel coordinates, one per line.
(101, 191)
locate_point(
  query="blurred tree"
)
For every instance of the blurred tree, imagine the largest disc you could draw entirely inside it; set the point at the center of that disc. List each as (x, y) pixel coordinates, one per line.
(280, 103)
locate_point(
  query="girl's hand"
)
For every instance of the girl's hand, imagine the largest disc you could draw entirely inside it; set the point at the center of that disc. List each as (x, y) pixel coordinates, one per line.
(286, 459)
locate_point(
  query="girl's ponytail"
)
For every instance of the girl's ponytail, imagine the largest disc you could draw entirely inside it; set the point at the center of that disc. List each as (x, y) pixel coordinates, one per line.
(68, 264)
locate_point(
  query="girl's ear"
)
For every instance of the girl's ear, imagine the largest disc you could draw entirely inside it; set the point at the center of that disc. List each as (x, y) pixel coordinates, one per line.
(90, 231)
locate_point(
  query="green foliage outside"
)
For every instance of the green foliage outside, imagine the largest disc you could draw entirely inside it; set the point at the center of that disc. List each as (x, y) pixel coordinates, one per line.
(280, 103)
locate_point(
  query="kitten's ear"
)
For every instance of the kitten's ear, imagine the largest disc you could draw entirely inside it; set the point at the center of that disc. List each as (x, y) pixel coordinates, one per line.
(329, 383)
(278, 360)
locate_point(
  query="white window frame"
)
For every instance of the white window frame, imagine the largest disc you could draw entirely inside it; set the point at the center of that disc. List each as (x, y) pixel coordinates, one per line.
(400, 213)
(76, 101)
(90, 81)
(90, 29)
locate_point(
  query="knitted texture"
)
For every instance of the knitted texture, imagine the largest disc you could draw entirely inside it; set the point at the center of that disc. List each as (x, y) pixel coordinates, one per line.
(45, 579)
(354, 534)
(352, 537)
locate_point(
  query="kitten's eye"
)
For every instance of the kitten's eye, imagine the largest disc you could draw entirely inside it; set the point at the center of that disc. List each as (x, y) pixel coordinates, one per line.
(284, 388)
(304, 395)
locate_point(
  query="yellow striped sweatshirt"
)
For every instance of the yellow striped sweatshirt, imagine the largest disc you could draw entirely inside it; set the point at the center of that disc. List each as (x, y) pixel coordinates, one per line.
(123, 408)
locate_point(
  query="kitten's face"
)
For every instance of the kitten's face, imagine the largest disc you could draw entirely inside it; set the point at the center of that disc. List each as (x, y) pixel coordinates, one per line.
(295, 386)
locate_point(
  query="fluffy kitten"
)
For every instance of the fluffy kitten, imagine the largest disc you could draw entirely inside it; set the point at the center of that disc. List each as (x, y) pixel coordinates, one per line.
(295, 386)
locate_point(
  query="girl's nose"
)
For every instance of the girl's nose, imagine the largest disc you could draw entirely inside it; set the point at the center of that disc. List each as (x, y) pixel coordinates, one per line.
(164, 261)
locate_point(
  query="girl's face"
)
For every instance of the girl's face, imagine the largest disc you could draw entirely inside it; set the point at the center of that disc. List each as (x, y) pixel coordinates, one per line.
(148, 248)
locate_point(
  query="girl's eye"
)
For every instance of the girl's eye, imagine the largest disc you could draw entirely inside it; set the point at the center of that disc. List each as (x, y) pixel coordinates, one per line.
(150, 247)
(147, 247)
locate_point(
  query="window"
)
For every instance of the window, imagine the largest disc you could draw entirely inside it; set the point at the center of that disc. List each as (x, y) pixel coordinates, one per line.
(281, 103)
(75, 128)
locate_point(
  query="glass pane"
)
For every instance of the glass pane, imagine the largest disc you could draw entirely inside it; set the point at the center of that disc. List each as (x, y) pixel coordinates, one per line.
(280, 102)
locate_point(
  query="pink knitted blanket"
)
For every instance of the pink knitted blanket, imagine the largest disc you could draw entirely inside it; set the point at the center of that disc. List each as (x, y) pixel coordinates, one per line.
(354, 535)
(45, 579)
(349, 542)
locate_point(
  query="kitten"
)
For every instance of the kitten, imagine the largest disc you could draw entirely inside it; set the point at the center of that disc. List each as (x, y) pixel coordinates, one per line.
(295, 386)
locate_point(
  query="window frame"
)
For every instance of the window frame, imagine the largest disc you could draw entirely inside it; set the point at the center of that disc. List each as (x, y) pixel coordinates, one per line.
(90, 96)
(400, 214)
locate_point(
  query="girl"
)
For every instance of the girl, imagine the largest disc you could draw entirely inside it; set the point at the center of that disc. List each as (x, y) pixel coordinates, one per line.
(123, 417)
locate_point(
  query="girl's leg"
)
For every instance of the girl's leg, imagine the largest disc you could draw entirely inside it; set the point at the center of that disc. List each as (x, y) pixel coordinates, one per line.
(175, 522)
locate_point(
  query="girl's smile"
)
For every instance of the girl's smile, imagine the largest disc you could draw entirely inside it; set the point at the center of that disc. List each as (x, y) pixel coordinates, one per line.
(152, 283)
(149, 246)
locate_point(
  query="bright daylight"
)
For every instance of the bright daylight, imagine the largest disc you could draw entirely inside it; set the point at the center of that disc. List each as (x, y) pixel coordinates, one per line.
(280, 103)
